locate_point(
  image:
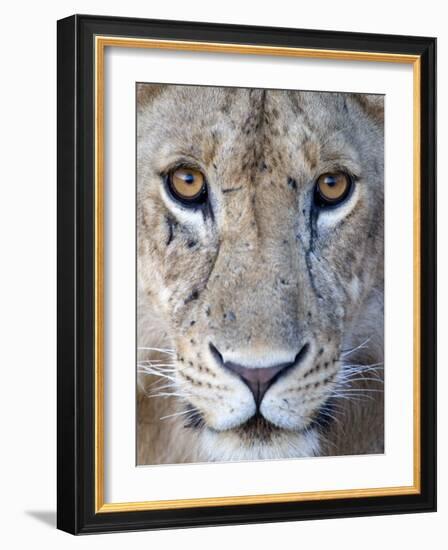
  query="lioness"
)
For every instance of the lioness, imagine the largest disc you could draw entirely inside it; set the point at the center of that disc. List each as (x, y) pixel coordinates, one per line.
(260, 273)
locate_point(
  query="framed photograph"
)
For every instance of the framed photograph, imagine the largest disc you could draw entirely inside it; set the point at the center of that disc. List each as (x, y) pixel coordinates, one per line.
(246, 274)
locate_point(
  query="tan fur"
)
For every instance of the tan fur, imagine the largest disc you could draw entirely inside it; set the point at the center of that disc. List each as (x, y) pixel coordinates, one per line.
(259, 274)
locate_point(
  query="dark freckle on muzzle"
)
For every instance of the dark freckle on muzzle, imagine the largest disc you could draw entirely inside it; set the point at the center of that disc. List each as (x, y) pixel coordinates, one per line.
(193, 296)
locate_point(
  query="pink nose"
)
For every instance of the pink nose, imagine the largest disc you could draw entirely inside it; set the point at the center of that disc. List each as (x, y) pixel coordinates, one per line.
(259, 380)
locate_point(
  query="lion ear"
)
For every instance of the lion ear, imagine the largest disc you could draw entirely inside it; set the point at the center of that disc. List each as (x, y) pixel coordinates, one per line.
(146, 93)
(372, 105)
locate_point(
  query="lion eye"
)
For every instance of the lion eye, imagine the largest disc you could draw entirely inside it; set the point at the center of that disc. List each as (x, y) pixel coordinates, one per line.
(188, 185)
(332, 188)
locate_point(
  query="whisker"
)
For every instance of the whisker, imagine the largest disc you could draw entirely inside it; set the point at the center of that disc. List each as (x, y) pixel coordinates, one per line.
(162, 384)
(181, 413)
(361, 379)
(149, 370)
(379, 366)
(165, 388)
(157, 365)
(360, 346)
(361, 374)
(362, 390)
(351, 397)
(329, 415)
(167, 394)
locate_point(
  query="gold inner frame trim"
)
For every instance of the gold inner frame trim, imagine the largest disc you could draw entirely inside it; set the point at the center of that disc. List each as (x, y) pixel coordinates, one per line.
(101, 42)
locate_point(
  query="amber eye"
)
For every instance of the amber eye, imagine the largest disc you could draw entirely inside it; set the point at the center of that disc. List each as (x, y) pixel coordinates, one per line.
(188, 185)
(332, 188)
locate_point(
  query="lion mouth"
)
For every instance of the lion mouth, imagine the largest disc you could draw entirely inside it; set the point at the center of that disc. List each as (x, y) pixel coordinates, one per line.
(257, 427)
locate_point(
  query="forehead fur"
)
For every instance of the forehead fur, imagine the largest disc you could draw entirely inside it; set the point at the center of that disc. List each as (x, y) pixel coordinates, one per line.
(261, 151)
(297, 130)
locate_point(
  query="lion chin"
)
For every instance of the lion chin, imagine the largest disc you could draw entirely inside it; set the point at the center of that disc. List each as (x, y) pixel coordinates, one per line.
(257, 441)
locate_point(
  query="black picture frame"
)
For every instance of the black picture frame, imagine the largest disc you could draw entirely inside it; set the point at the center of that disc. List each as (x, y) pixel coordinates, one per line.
(76, 286)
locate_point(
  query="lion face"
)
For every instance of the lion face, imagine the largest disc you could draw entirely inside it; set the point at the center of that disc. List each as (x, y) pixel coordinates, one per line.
(259, 238)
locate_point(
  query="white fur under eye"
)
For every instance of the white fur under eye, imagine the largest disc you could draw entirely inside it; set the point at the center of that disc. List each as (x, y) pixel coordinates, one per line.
(331, 216)
(186, 216)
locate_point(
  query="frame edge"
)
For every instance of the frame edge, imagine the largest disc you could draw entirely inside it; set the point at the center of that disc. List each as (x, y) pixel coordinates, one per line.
(67, 459)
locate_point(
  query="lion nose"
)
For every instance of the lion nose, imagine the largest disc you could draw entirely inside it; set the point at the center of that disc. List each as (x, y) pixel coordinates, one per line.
(258, 379)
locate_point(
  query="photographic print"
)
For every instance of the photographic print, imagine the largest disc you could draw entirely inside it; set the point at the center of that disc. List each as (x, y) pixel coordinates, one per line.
(260, 247)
